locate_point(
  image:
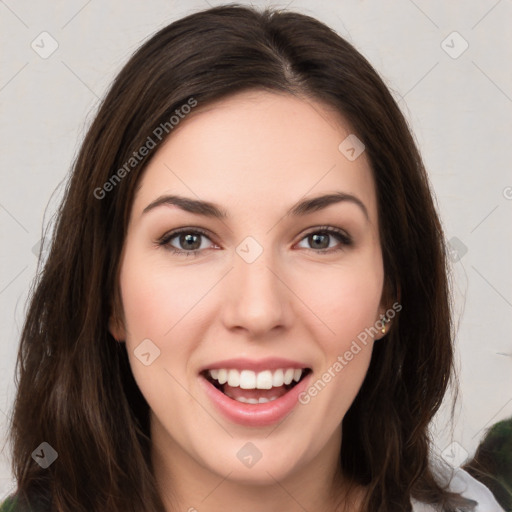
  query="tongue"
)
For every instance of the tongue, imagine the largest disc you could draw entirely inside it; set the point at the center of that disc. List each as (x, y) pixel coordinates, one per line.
(236, 392)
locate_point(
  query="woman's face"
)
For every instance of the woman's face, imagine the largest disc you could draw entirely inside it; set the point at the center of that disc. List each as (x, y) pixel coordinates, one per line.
(261, 288)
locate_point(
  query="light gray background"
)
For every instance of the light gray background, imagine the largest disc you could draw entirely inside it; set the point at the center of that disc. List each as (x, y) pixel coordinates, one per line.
(459, 109)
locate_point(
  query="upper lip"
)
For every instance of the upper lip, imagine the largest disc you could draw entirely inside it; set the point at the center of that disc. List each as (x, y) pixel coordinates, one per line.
(270, 363)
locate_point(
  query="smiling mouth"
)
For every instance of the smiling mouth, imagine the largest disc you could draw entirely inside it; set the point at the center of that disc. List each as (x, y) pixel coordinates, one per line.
(251, 387)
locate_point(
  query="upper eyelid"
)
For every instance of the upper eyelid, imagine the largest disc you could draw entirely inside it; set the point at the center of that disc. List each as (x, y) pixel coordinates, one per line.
(332, 230)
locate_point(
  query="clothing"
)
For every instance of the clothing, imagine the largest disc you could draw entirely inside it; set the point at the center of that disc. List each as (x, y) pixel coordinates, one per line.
(8, 505)
(37, 505)
(460, 481)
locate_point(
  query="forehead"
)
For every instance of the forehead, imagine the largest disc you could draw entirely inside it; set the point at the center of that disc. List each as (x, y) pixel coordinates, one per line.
(257, 149)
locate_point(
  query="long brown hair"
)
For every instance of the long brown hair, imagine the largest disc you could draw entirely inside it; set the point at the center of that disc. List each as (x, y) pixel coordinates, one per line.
(75, 387)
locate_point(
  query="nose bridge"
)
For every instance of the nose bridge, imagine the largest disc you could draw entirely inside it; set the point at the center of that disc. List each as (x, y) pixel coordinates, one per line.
(256, 298)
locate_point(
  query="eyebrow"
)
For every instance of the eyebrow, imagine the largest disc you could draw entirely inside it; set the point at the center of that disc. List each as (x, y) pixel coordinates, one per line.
(208, 209)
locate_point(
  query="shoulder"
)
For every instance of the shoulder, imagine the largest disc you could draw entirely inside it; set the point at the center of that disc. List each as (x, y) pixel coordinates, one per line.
(462, 482)
(11, 504)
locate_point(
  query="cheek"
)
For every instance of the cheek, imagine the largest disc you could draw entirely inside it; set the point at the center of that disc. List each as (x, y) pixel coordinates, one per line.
(156, 297)
(345, 298)
(156, 300)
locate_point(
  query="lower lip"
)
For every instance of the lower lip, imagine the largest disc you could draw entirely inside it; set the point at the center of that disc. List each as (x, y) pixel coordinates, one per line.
(255, 415)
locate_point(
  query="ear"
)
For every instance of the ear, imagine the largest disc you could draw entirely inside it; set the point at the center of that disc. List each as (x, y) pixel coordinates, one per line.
(116, 329)
(116, 324)
(382, 325)
(389, 308)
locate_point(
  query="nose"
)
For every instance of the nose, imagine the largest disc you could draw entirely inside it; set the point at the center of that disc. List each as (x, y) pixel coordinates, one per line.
(256, 297)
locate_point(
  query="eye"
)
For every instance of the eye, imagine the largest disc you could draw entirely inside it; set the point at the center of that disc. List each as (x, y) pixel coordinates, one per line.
(320, 240)
(189, 241)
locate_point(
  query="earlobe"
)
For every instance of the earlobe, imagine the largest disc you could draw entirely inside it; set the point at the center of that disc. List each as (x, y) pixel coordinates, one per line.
(385, 321)
(115, 324)
(383, 324)
(387, 313)
(116, 330)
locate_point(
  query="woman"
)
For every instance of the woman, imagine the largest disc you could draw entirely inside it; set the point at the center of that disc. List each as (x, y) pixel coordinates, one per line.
(245, 305)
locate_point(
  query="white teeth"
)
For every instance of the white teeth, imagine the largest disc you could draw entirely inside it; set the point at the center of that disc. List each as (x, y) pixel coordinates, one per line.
(264, 380)
(288, 375)
(247, 379)
(254, 401)
(222, 376)
(233, 378)
(278, 378)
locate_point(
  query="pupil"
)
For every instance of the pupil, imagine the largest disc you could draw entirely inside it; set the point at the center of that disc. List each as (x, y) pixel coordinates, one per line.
(189, 240)
(317, 240)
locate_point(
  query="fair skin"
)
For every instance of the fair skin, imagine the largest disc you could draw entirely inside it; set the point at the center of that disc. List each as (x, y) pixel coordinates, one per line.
(255, 155)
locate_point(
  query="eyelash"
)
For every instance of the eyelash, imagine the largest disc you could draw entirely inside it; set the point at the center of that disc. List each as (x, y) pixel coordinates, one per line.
(344, 238)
